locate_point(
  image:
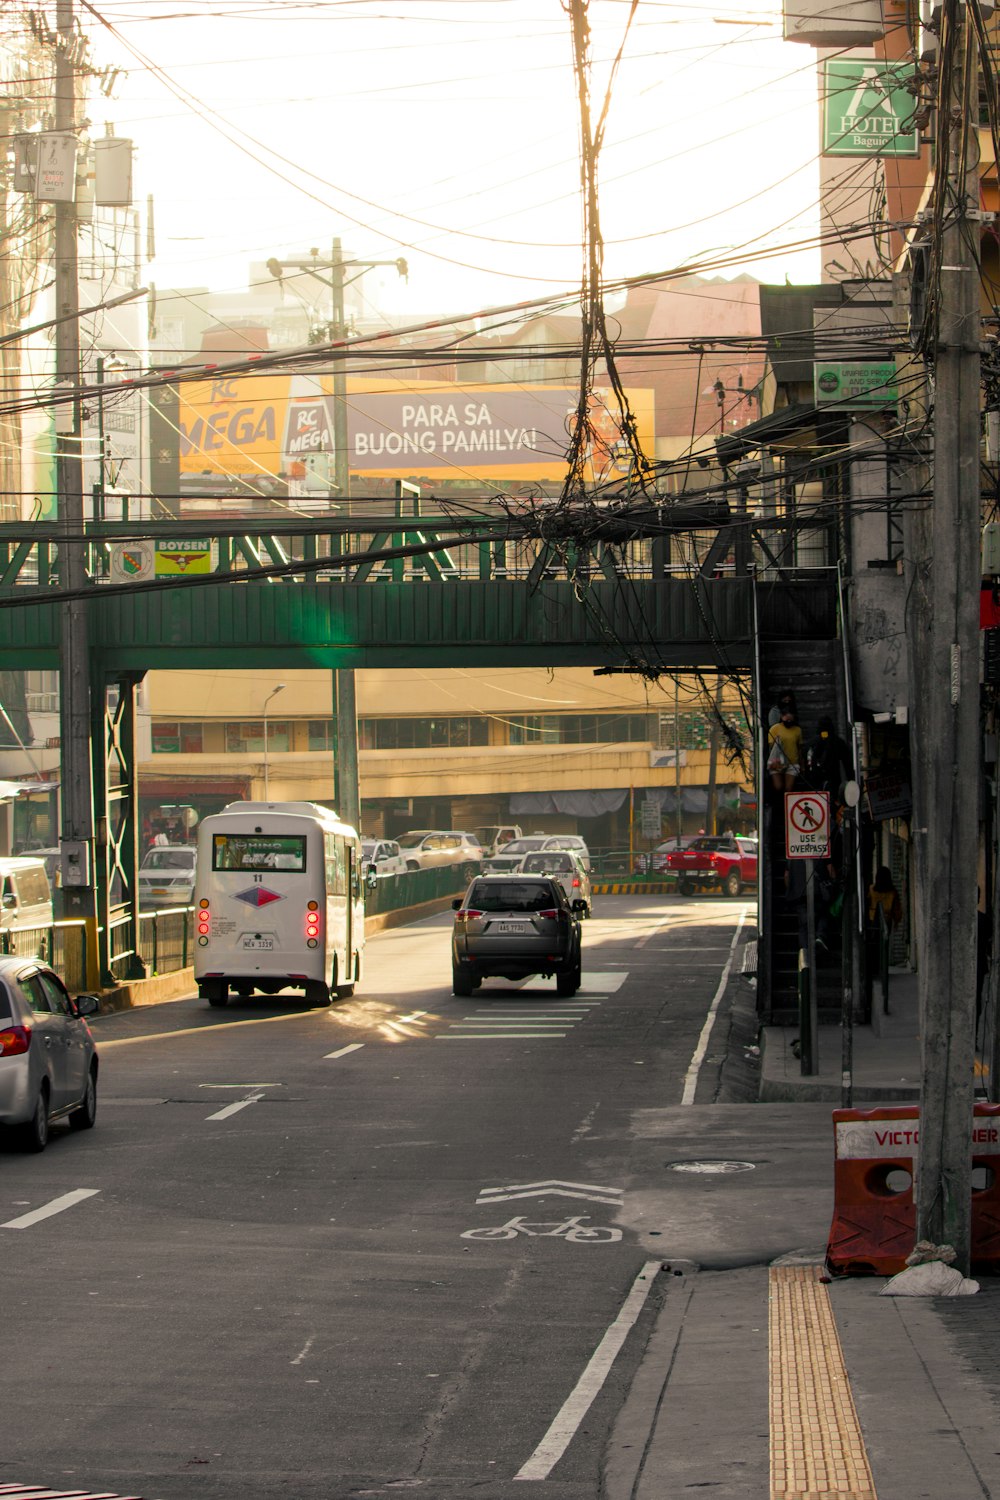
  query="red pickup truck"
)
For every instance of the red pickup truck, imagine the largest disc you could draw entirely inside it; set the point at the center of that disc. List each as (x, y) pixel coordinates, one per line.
(724, 864)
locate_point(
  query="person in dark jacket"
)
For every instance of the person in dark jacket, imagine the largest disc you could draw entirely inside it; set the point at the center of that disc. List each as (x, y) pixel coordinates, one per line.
(828, 759)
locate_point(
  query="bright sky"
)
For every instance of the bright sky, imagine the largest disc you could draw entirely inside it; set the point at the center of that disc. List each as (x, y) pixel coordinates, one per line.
(446, 132)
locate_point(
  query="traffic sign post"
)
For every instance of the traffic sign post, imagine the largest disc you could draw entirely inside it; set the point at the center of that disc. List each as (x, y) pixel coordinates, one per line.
(807, 836)
(807, 825)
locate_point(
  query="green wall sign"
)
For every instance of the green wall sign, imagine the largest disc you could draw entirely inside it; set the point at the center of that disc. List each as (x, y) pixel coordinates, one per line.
(855, 384)
(867, 110)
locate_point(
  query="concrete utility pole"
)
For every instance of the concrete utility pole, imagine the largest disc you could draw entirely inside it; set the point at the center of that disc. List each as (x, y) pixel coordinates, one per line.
(348, 784)
(949, 714)
(76, 771)
(346, 788)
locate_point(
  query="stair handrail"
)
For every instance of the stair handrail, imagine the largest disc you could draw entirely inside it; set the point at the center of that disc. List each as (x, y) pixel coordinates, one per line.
(859, 906)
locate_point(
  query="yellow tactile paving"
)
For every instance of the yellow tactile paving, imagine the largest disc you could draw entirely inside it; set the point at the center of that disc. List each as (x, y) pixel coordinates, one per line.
(817, 1451)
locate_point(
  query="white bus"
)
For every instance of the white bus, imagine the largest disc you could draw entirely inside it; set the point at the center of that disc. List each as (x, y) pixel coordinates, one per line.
(279, 902)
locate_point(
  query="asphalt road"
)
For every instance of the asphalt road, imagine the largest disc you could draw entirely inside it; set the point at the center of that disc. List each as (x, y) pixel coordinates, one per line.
(278, 1283)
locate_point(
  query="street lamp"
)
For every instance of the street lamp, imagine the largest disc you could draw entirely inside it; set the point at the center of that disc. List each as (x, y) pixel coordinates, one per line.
(279, 688)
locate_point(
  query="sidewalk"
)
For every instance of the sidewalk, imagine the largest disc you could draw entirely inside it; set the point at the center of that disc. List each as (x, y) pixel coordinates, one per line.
(760, 1378)
(886, 1060)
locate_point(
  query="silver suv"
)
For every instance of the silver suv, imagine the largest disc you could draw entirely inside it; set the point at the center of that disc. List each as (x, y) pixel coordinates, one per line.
(511, 855)
(513, 926)
(430, 849)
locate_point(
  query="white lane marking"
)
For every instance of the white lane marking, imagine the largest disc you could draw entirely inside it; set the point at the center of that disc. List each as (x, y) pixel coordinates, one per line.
(555, 1442)
(543, 1023)
(68, 1200)
(206, 1030)
(691, 1077)
(670, 917)
(303, 1351)
(529, 1020)
(497, 1036)
(241, 1085)
(343, 1051)
(232, 1109)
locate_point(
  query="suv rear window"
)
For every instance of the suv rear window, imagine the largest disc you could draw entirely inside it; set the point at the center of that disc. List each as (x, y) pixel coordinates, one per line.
(513, 895)
(536, 864)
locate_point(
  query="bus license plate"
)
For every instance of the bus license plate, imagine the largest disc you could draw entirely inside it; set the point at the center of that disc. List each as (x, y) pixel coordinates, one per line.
(261, 944)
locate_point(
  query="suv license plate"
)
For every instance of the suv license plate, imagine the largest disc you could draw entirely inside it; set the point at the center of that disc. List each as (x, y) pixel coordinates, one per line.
(514, 927)
(263, 944)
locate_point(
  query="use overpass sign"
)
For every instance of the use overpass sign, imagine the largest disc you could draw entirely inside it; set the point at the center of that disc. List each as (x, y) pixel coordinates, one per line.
(807, 825)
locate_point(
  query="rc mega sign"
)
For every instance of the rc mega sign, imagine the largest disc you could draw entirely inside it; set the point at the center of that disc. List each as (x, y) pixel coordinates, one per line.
(270, 424)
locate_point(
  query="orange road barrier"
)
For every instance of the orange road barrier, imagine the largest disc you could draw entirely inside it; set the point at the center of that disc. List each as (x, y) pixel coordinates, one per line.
(874, 1213)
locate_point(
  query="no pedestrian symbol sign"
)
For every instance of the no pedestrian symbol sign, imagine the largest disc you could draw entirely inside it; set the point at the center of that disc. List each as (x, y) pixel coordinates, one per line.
(807, 825)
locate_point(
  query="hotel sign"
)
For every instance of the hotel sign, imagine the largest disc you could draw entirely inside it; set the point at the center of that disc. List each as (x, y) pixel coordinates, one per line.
(868, 110)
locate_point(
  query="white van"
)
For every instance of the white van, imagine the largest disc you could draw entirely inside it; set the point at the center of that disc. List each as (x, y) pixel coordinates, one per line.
(280, 903)
(25, 893)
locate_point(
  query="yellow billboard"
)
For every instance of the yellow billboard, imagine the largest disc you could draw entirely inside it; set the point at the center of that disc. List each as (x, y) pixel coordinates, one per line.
(269, 425)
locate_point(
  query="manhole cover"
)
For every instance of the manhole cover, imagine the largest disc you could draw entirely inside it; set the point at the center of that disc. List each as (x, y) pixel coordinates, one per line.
(711, 1168)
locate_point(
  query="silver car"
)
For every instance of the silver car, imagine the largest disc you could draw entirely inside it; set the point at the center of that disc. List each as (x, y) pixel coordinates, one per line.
(48, 1060)
(166, 876)
(565, 866)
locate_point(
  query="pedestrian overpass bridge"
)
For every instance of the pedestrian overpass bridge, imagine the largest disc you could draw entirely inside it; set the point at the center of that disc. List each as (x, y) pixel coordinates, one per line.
(432, 593)
(427, 592)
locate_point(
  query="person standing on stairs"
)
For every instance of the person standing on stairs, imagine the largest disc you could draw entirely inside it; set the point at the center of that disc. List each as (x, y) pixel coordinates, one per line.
(784, 761)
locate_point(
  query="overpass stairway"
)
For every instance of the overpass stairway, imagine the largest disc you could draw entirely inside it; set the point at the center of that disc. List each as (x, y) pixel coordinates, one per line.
(813, 671)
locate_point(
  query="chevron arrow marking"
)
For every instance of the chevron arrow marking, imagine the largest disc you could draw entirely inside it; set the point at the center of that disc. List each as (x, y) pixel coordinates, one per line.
(551, 1189)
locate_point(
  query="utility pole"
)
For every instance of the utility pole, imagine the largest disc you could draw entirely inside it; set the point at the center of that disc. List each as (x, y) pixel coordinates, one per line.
(348, 781)
(76, 771)
(346, 788)
(948, 709)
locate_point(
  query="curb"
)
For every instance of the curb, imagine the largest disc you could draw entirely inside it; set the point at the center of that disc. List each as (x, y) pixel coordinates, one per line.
(788, 1089)
(633, 888)
(134, 993)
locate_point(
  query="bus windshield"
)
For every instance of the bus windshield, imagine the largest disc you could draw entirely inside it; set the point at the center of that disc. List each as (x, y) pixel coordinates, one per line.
(258, 851)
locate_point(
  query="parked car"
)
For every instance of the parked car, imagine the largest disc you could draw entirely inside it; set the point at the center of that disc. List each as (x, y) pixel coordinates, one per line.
(430, 849)
(514, 926)
(166, 876)
(723, 863)
(52, 860)
(566, 867)
(48, 1060)
(513, 852)
(385, 855)
(494, 836)
(25, 893)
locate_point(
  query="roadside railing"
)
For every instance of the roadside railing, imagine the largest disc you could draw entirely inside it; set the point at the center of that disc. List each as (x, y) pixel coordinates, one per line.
(391, 892)
(162, 946)
(626, 864)
(62, 945)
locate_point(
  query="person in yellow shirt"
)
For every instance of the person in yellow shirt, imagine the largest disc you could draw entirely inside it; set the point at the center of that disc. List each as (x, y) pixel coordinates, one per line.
(784, 759)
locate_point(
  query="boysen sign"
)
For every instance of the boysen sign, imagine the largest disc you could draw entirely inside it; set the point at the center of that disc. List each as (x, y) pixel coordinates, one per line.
(867, 110)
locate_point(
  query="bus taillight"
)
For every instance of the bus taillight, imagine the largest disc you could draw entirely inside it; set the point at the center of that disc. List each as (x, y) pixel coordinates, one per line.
(312, 924)
(204, 922)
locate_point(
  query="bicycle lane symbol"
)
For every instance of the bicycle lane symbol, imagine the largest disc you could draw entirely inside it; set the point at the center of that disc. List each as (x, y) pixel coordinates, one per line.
(575, 1230)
